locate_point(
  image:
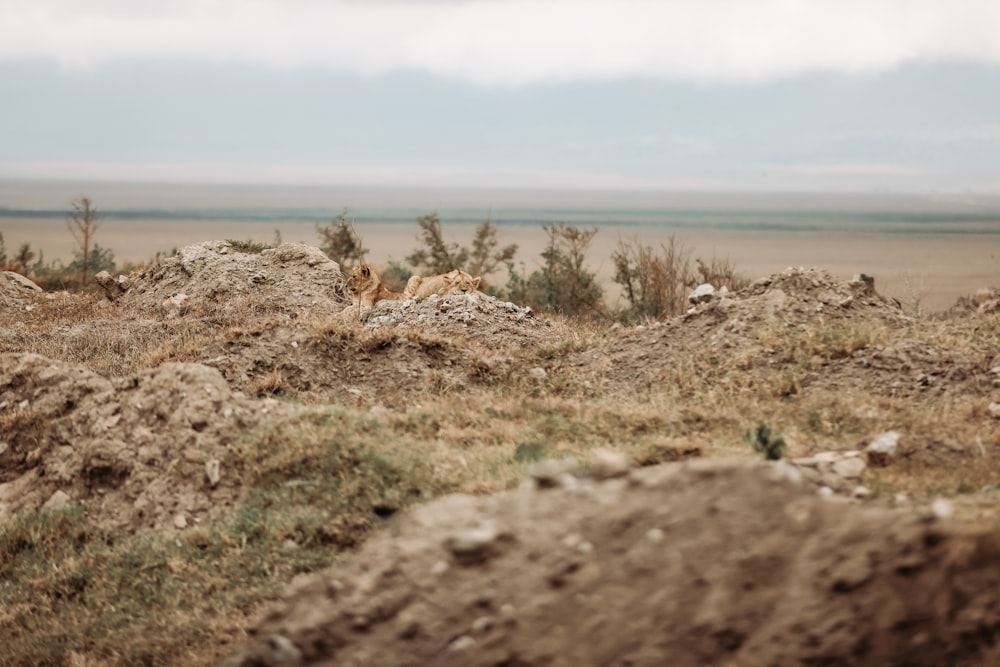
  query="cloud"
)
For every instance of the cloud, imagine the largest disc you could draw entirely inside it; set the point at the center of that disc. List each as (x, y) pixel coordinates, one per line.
(513, 42)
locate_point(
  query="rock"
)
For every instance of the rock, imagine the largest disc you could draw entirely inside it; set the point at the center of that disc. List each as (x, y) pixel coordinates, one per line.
(176, 304)
(849, 468)
(463, 643)
(113, 287)
(58, 499)
(553, 473)
(860, 492)
(882, 449)
(868, 282)
(212, 472)
(20, 281)
(989, 307)
(983, 295)
(607, 464)
(180, 522)
(702, 294)
(839, 472)
(994, 409)
(538, 373)
(475, 545)
(942, 508)
(283, 651)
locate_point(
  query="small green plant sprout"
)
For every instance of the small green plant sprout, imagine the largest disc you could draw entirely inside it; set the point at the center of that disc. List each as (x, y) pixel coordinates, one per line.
(769, 444)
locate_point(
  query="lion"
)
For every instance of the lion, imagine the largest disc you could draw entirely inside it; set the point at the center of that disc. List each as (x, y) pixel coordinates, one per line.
(366, 290)
(453, 282)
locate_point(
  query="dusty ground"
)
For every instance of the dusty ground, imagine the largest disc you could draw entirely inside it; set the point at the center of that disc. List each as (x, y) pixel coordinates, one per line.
(132, 407)
(709, 564)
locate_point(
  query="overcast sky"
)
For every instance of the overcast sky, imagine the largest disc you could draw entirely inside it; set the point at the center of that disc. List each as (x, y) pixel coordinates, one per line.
(708, 94)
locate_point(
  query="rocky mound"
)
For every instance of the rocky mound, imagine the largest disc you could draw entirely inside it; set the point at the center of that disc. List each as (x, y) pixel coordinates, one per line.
(140, 451)
(472, 315)
(802, 320)
(703, 563)
(218, 275)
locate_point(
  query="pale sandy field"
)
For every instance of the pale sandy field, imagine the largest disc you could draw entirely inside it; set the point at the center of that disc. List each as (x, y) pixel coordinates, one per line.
(936, 269)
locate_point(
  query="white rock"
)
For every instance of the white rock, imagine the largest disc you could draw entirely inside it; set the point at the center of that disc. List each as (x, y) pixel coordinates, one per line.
(180, 521)
(58, 499)
(850, 468)
(702, 293)
(538, 373)
(463, 643)
(994, 409)
(882, 450)
(212, 472)
(942, 508)
(607, 464)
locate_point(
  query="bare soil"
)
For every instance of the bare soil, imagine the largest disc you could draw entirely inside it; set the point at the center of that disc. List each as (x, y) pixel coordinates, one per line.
(708, 563)
(728, 562)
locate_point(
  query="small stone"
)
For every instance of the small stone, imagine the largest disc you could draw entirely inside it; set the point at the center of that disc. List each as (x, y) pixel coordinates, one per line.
(538, 373)
(882, 449)
(860, 492)
(58, 499)
(849, 468)
(475, 545)
(482, 624)
(608, 464)
(994, 409)
(942, 508)
(180, 522)
(655, 535)
(440, 568)
(701, 294)
(283, 650)
(289, 545)
(552, 473)
(463, 643)
(178, 303)
(982, 296)
(785, 471)
(212, 472)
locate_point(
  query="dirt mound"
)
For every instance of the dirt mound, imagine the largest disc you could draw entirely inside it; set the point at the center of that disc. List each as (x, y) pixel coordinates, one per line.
(685, 564)
(218, 275)
(473, 315)
(136, 450)
(803, 324)
(391, 366)
(986, 301)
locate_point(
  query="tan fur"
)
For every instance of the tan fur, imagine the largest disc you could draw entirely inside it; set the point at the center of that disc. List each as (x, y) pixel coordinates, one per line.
(453, 282)
(366, 290)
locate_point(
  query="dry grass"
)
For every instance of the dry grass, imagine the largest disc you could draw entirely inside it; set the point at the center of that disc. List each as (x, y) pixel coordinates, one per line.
(316, 483)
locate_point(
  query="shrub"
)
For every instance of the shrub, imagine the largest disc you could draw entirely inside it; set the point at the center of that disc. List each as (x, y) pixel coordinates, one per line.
(769, 444)
(654, 283)
(341, 242)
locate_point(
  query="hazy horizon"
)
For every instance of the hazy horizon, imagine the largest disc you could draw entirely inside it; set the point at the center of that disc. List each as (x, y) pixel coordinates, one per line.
(749, 95)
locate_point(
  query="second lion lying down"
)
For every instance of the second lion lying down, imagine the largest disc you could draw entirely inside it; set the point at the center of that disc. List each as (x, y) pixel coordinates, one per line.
(366, 289)
(453, 282)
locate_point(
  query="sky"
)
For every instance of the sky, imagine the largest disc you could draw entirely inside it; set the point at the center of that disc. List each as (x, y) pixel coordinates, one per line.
(768, 95)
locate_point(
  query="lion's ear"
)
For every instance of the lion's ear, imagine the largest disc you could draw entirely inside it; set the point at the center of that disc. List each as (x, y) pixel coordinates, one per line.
(365, 271)
(475, 282)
